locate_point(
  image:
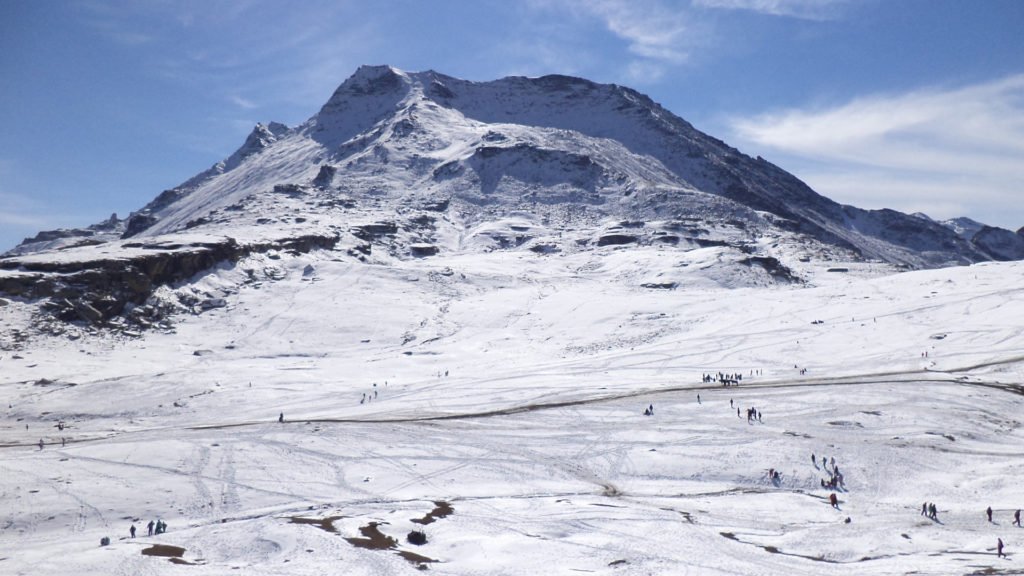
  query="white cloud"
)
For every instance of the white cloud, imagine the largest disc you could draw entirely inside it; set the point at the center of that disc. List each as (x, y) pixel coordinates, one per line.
(805, 9)
(659, 34)
(243, 103)
(954, 147)
(653, 29)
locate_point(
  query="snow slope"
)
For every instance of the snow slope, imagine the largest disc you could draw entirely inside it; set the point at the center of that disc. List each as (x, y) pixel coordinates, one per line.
(510, 387)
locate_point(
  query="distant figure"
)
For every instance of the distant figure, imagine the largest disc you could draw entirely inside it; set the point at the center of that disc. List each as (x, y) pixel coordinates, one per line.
(132, 530)
(999, 548)
(40, 443)
(150, 527)
(988, 512)
(698, 398)
(647, 411)
(813, 461)
(1016, 518)
(924, 509)
(933, 512)
(833, 500)
(730, 402)
(651, 408)
(280, 418)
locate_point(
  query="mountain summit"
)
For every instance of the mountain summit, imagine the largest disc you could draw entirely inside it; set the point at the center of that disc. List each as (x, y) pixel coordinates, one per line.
(401, 165)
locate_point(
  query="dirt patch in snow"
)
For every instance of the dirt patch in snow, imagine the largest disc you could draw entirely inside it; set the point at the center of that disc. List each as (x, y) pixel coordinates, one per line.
(441, 510)
(325, 524)
(164, 550)
(374, 539)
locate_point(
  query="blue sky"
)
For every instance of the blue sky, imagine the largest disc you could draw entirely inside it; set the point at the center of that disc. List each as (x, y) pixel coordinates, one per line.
(916, 105)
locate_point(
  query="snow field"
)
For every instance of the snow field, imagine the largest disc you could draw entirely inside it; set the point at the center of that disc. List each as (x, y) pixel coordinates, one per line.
(536, 436)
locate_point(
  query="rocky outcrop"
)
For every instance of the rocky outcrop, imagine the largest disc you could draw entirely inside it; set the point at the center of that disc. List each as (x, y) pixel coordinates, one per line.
(97, 289)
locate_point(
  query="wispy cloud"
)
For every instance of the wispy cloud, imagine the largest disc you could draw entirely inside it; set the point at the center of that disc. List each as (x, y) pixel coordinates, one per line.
(804, 9)
(952, 145)
(653, 29)
(243, 103)
(658, 34)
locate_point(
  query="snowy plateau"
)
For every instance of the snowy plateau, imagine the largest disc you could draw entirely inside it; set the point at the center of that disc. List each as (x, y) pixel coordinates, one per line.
(468, 328)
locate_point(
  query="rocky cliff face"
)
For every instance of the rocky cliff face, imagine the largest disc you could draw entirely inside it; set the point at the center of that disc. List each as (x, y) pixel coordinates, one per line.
(410, 165)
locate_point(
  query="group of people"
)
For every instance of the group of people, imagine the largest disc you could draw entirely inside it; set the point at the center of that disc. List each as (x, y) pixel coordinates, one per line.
(752, 414)
(928, 510)
(158, 527)
(725, 379)
(372, 394)
(835, 477)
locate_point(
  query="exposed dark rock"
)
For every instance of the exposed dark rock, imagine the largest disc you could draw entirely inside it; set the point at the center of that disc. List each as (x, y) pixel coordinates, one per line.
(545, 248)
(292, 190)
(371, 231)
(137, 223)
(96, 290)
(617, 239)
(325, 177)
(421, 250)
(776, 269)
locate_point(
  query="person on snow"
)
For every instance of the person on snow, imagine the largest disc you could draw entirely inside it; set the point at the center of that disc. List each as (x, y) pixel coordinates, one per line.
(132, 530)
(999, 548)
(1016, 518)
(149, 527)
(988, 512)
(924, 509)
(933, 512)
(280, 417)
(833, 500)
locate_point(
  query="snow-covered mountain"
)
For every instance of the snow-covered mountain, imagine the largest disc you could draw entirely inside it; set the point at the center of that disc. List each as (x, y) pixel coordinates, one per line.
(422, 330)
(412, 164)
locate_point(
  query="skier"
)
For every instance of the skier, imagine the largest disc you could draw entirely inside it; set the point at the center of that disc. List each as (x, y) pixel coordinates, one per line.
(132, 530)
